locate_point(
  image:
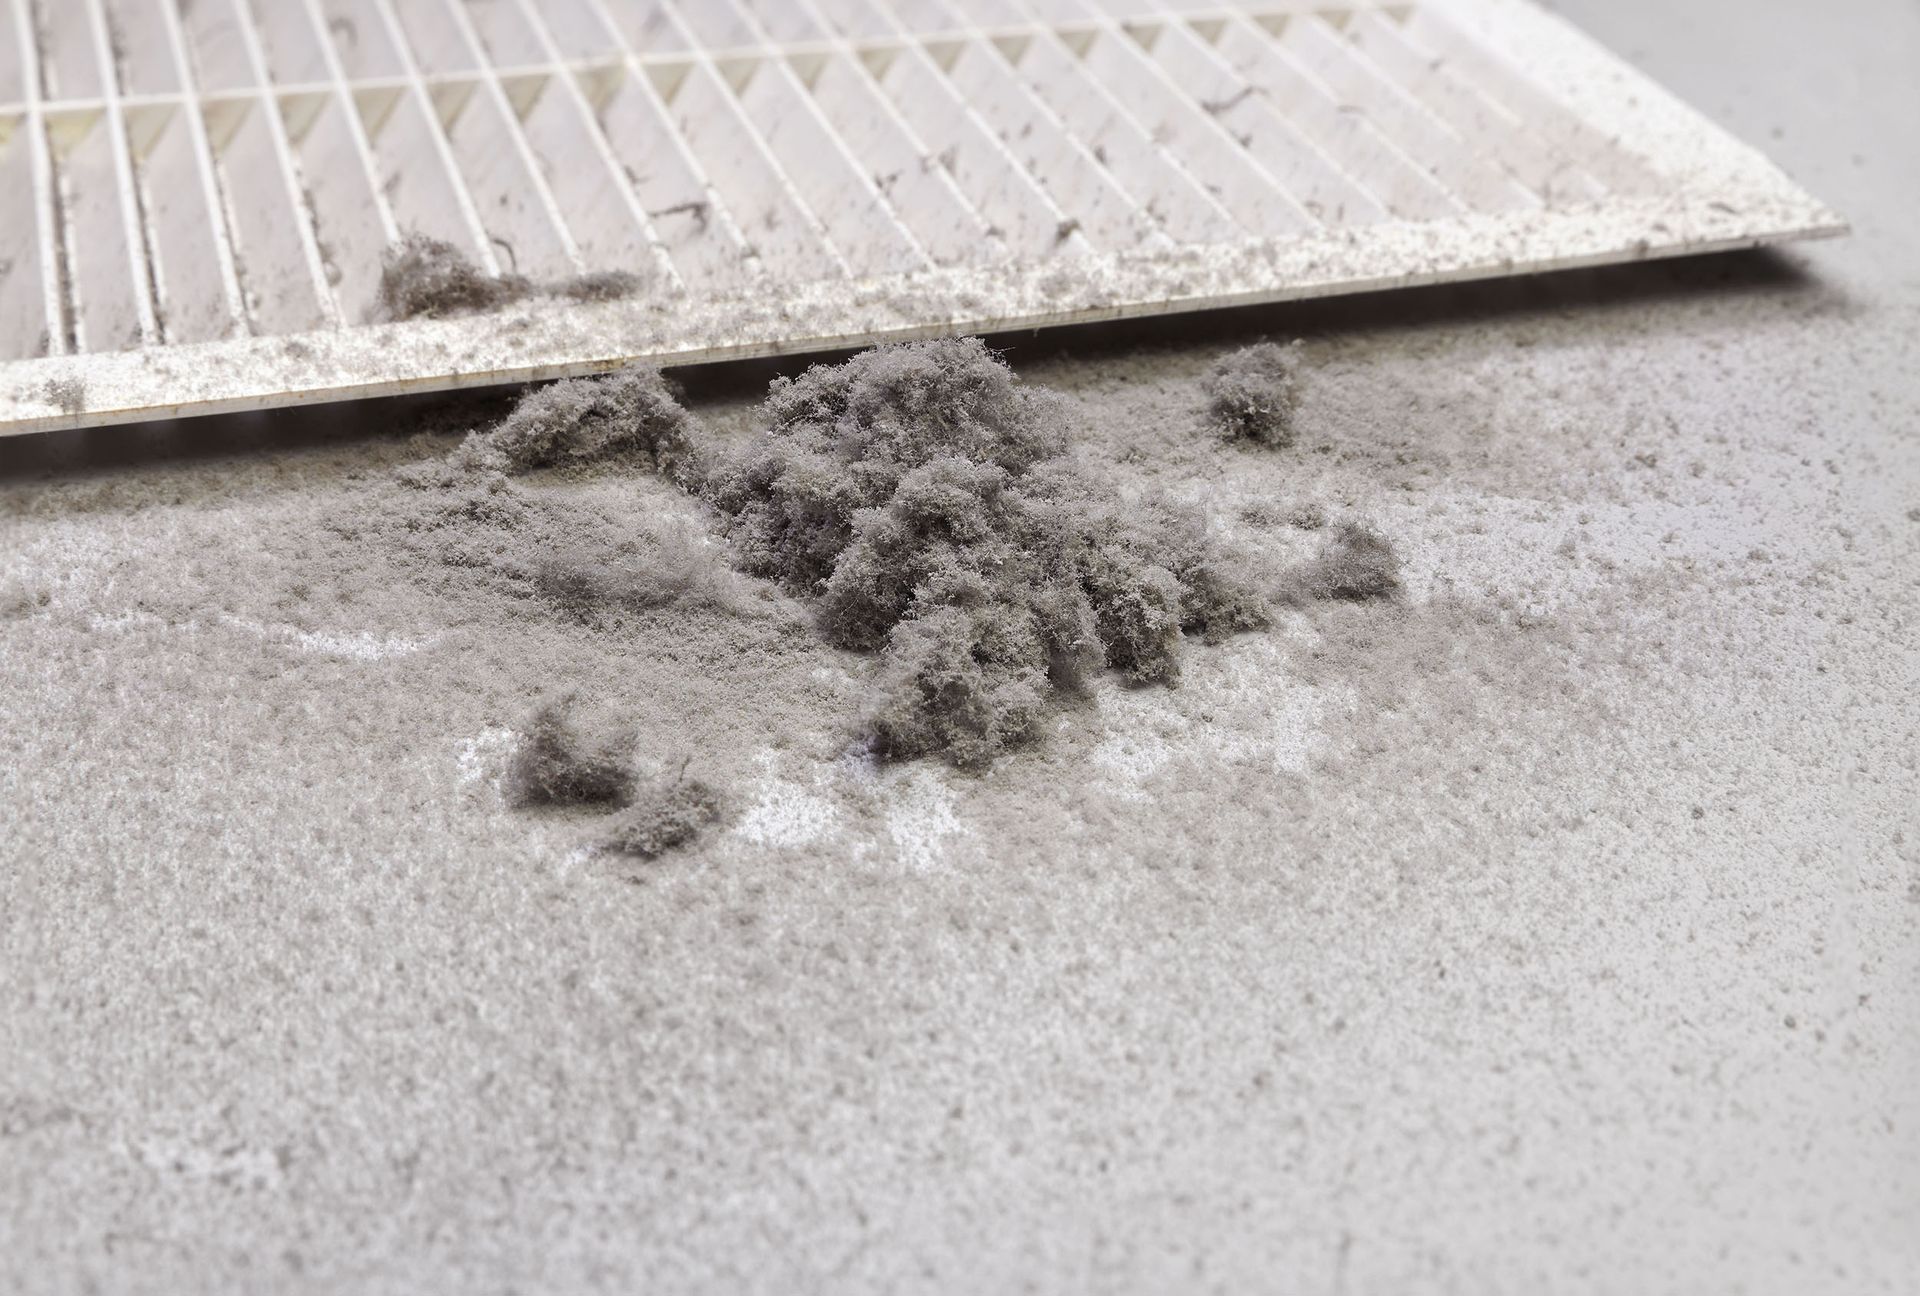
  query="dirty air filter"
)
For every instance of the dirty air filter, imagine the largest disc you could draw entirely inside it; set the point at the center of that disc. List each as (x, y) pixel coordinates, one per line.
(196, 195)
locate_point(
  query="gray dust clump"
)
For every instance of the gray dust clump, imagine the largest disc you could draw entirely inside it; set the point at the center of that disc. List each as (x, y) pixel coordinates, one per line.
(69, 395)
(664, 814)
(929, 506)
(1253, 393)
(1262, 513)
(1355, 564)
(556, 763)
(1310, 516)
(422, 277)
(566, 759)
(425, 278)
(603, 286)
(631, 412)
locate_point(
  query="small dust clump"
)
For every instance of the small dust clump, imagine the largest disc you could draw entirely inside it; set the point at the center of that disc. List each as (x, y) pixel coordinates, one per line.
(630, 411)
(930, 507)
(1307, 517)
(665, 814)
(1355, 564)
(562, 761)
(426, 278)
(1253, 394)
(602, 286)
(557, 763)
(1262, 513)
(68, 395)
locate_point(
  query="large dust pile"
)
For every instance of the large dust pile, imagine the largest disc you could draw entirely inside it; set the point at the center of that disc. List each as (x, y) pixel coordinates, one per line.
(929, 510)
(930, 507)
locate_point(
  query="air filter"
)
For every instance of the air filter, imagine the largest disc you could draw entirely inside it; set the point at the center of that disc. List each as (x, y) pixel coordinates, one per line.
(197, 196)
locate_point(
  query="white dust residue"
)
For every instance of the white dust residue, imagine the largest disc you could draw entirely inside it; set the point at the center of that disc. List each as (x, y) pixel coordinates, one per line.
(785, 812)
(483, 758)
(364, 646)
(920, 816)
(126, 622)
(1237, 704)
(574, 863)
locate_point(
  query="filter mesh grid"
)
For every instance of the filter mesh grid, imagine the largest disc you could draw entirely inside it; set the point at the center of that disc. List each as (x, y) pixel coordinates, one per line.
(195, 195)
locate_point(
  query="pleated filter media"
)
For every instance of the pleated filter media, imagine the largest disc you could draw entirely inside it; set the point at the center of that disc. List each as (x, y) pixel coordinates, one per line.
(197, 197)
